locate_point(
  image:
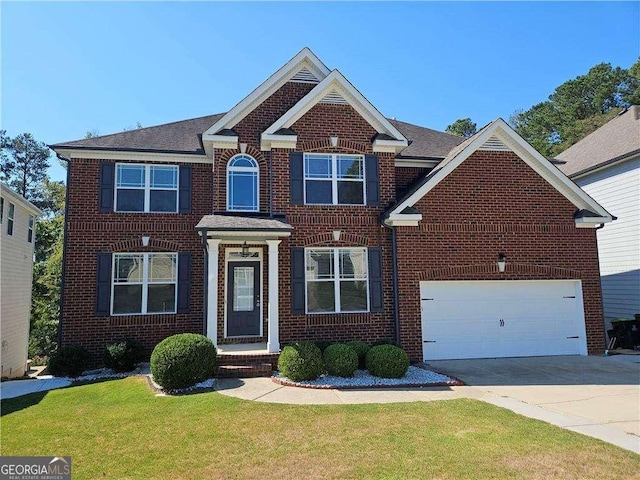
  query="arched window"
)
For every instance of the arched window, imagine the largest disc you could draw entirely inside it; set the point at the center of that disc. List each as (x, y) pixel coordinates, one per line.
(242, 184)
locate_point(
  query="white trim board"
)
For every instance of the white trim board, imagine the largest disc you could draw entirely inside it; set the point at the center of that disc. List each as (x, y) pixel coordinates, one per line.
(336, 82)
(500, 129)
(69, 153)
(304, 59)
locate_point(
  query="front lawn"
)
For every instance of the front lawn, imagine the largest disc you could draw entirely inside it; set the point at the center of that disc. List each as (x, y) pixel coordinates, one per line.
(120, 429)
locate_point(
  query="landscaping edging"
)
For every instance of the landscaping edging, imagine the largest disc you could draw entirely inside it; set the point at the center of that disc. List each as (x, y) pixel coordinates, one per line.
(367, 383)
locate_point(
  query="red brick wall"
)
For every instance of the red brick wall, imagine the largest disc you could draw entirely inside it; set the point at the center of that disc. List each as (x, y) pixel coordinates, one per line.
(406, 177)
(89, 231)
(494, 202)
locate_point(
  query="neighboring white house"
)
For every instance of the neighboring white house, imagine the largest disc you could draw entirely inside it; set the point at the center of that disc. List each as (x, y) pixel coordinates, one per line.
(17, 240)
(606, 164)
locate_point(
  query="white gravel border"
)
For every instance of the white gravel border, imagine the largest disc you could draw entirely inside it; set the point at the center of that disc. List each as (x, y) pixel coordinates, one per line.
(414, 377)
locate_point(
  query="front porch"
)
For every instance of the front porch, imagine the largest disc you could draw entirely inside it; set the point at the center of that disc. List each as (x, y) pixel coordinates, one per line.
(246, 360)
(242, 258)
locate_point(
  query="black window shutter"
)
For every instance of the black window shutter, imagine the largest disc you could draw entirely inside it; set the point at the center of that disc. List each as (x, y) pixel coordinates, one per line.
(375, 279)
(107, 181)
(296, 174)
(184, 282)
(185, 189)
(297, 281)
(371, 172)
(103, 291)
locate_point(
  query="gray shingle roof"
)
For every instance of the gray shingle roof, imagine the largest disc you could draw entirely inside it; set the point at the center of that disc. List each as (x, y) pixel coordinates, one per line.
(618, 138)
(233, 223)
(184, 137)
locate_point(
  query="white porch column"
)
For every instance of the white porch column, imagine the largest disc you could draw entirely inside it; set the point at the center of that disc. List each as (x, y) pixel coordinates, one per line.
(212, 290)
(273, 338)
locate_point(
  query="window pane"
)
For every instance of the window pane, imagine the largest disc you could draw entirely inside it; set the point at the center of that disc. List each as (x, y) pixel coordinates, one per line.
(243, 162)
(163, 200)
(319, 264)
(349, 167)
(243, 283)
(162, 267)
(352, 263)
(351, 193)
(127, 298)
(164, 177)
(130, 201)
(128, 268)
(319, 191)
(243, 191)
(353, 296)
(321, 297)
(161, 298)
(318, 166)
(131, 176)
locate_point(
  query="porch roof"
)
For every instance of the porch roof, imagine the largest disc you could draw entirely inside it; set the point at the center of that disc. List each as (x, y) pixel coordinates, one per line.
(231, 223)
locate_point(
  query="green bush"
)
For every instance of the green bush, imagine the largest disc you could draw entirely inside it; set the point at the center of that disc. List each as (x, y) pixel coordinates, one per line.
(387, 361)
(323, 344)
(123, 355)
(385, 341)
(69, 361)
(43, 339)
(182, 360)
(300, 361)
(361, 350)
(340, 360)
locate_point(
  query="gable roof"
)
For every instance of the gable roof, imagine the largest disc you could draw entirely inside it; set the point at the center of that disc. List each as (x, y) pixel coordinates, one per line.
(304, 62)
(176, 137)
(616, 140)
(500, 130)
(332, 84)
(425, 142)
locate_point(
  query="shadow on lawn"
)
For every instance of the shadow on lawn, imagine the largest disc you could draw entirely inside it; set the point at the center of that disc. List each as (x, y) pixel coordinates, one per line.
(10, 405)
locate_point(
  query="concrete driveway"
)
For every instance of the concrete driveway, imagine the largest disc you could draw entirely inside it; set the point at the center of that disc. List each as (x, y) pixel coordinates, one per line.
(585, 394)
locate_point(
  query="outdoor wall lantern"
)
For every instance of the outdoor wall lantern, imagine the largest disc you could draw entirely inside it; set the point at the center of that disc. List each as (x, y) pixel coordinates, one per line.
(502, 262)
(245, 250)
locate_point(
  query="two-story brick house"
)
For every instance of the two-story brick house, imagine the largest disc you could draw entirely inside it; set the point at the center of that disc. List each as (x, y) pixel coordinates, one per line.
(304, 213)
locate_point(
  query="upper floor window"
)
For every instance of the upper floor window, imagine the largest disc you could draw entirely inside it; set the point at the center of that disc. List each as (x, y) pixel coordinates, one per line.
(242, 184)
(30, 228)
(10, 218)
(1, 209)
(146, 188)
(144, 283)
(334, 179)
(336, 280)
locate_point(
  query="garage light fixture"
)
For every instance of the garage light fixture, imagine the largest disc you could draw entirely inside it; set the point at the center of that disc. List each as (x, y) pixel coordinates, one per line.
(502, 262)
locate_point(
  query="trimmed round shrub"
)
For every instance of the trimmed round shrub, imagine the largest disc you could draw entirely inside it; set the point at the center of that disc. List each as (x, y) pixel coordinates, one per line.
(182, 360)
(387, 361)
(340, 360)
(323, 344)
(300, 361)
(385, 341)
(69, 361)
(361, 350)
(123, 355)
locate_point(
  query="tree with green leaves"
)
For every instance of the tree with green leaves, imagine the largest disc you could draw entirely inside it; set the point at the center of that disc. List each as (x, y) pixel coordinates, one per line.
(24, 165)
(578, 107)
(463, 127)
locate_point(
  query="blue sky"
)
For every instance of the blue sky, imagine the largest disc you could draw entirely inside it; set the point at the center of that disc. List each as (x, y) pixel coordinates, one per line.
(68, 68)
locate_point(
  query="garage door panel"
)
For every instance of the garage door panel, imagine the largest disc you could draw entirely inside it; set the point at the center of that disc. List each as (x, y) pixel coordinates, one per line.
(469, 319)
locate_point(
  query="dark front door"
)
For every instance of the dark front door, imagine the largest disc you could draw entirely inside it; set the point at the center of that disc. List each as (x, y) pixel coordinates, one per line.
(243, 299)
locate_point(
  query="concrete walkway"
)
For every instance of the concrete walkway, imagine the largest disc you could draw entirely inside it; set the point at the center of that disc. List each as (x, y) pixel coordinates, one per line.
(17, 388)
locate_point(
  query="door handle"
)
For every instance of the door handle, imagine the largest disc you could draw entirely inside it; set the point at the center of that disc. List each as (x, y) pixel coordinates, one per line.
(502, 322)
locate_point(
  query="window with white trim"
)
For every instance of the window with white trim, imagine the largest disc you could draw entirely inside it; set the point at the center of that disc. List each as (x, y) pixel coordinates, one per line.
(144, 283)
(336, 280)
(242, 184)
(30, 228)
(146, 188)
(10, 218)
(334, 179)
(1, 209)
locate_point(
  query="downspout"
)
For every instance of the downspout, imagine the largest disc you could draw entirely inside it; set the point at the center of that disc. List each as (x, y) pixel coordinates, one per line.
(64, 248)
(270, 183)
(394, 265)
(205, 247)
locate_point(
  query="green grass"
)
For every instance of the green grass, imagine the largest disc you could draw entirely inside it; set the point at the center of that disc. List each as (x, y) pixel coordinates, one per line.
(119, 429)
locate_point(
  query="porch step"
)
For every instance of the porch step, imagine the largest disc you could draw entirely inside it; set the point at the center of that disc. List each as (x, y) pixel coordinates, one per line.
(248, 370)
(239, 359)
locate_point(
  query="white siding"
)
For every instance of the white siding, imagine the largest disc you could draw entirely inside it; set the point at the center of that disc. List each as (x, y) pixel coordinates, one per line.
(16, 270)
(617, 189)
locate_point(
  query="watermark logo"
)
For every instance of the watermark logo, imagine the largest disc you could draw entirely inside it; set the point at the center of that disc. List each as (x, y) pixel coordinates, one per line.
(35, 468)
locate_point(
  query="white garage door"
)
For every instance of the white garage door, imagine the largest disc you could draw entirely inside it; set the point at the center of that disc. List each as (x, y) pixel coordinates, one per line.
(484, 319)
